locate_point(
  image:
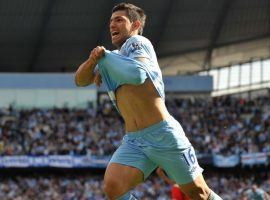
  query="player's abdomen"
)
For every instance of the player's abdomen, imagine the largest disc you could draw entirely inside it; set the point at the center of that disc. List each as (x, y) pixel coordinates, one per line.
(140, 106)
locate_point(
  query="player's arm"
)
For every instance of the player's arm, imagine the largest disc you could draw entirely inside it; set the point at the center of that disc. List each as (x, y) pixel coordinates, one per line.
(85, 73)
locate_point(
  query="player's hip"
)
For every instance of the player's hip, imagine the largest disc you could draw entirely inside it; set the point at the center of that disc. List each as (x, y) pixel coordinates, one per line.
(166, 134)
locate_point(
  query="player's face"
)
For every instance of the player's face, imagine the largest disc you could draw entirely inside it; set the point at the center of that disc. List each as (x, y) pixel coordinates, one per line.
(121, 28)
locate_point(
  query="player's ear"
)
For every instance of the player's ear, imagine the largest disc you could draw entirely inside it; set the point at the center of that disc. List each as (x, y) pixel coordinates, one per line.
(136, 25)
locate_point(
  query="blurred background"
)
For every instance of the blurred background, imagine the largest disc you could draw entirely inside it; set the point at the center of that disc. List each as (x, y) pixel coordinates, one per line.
(56, 139)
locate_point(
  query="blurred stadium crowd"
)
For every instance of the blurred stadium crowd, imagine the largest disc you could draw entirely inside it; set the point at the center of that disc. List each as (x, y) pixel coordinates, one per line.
(90, 188)
(223, 125)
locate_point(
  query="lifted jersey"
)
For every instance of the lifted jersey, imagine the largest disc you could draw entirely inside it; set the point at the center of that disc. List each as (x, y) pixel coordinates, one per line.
(123, 67)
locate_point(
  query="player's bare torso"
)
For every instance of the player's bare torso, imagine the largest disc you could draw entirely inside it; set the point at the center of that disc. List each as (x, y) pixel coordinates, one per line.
(140, 105)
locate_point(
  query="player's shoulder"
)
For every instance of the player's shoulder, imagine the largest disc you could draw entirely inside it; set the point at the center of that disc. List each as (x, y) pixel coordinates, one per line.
(138, 38)
(137, 42)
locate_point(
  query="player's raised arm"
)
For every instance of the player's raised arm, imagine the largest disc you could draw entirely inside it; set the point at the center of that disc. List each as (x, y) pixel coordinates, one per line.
(85, 73)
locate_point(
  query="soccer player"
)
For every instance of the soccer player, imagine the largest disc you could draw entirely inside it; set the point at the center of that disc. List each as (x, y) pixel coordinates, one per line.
(176, 193)
(153, 137)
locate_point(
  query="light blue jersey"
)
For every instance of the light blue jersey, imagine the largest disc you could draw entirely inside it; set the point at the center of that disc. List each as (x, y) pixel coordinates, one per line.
(140, 47)
(121, 68)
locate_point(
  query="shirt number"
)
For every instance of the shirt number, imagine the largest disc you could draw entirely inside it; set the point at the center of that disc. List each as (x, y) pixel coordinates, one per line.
(190, 157)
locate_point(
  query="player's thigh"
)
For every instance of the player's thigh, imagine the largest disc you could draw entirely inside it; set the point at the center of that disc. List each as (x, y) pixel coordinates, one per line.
(181, 165)
(197, 189)
(121, 178)
(127, 168)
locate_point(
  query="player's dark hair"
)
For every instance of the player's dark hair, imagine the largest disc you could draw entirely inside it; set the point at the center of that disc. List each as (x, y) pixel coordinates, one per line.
(133, 13)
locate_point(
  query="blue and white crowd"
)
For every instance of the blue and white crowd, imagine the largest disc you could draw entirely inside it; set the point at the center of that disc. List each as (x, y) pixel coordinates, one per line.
(90, 187)
(223, 125)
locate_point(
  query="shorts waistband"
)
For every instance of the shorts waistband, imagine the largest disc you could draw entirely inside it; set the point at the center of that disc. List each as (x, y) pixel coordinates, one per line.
(134, 134)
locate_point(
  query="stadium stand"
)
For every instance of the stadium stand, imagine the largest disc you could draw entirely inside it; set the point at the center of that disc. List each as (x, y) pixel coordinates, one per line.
(224, 125)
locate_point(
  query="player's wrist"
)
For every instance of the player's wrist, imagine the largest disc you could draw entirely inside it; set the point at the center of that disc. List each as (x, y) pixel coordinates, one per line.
(91, 62)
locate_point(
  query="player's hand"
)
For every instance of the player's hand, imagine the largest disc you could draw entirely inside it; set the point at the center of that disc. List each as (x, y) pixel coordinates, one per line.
(98, 79)
(97, 53)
